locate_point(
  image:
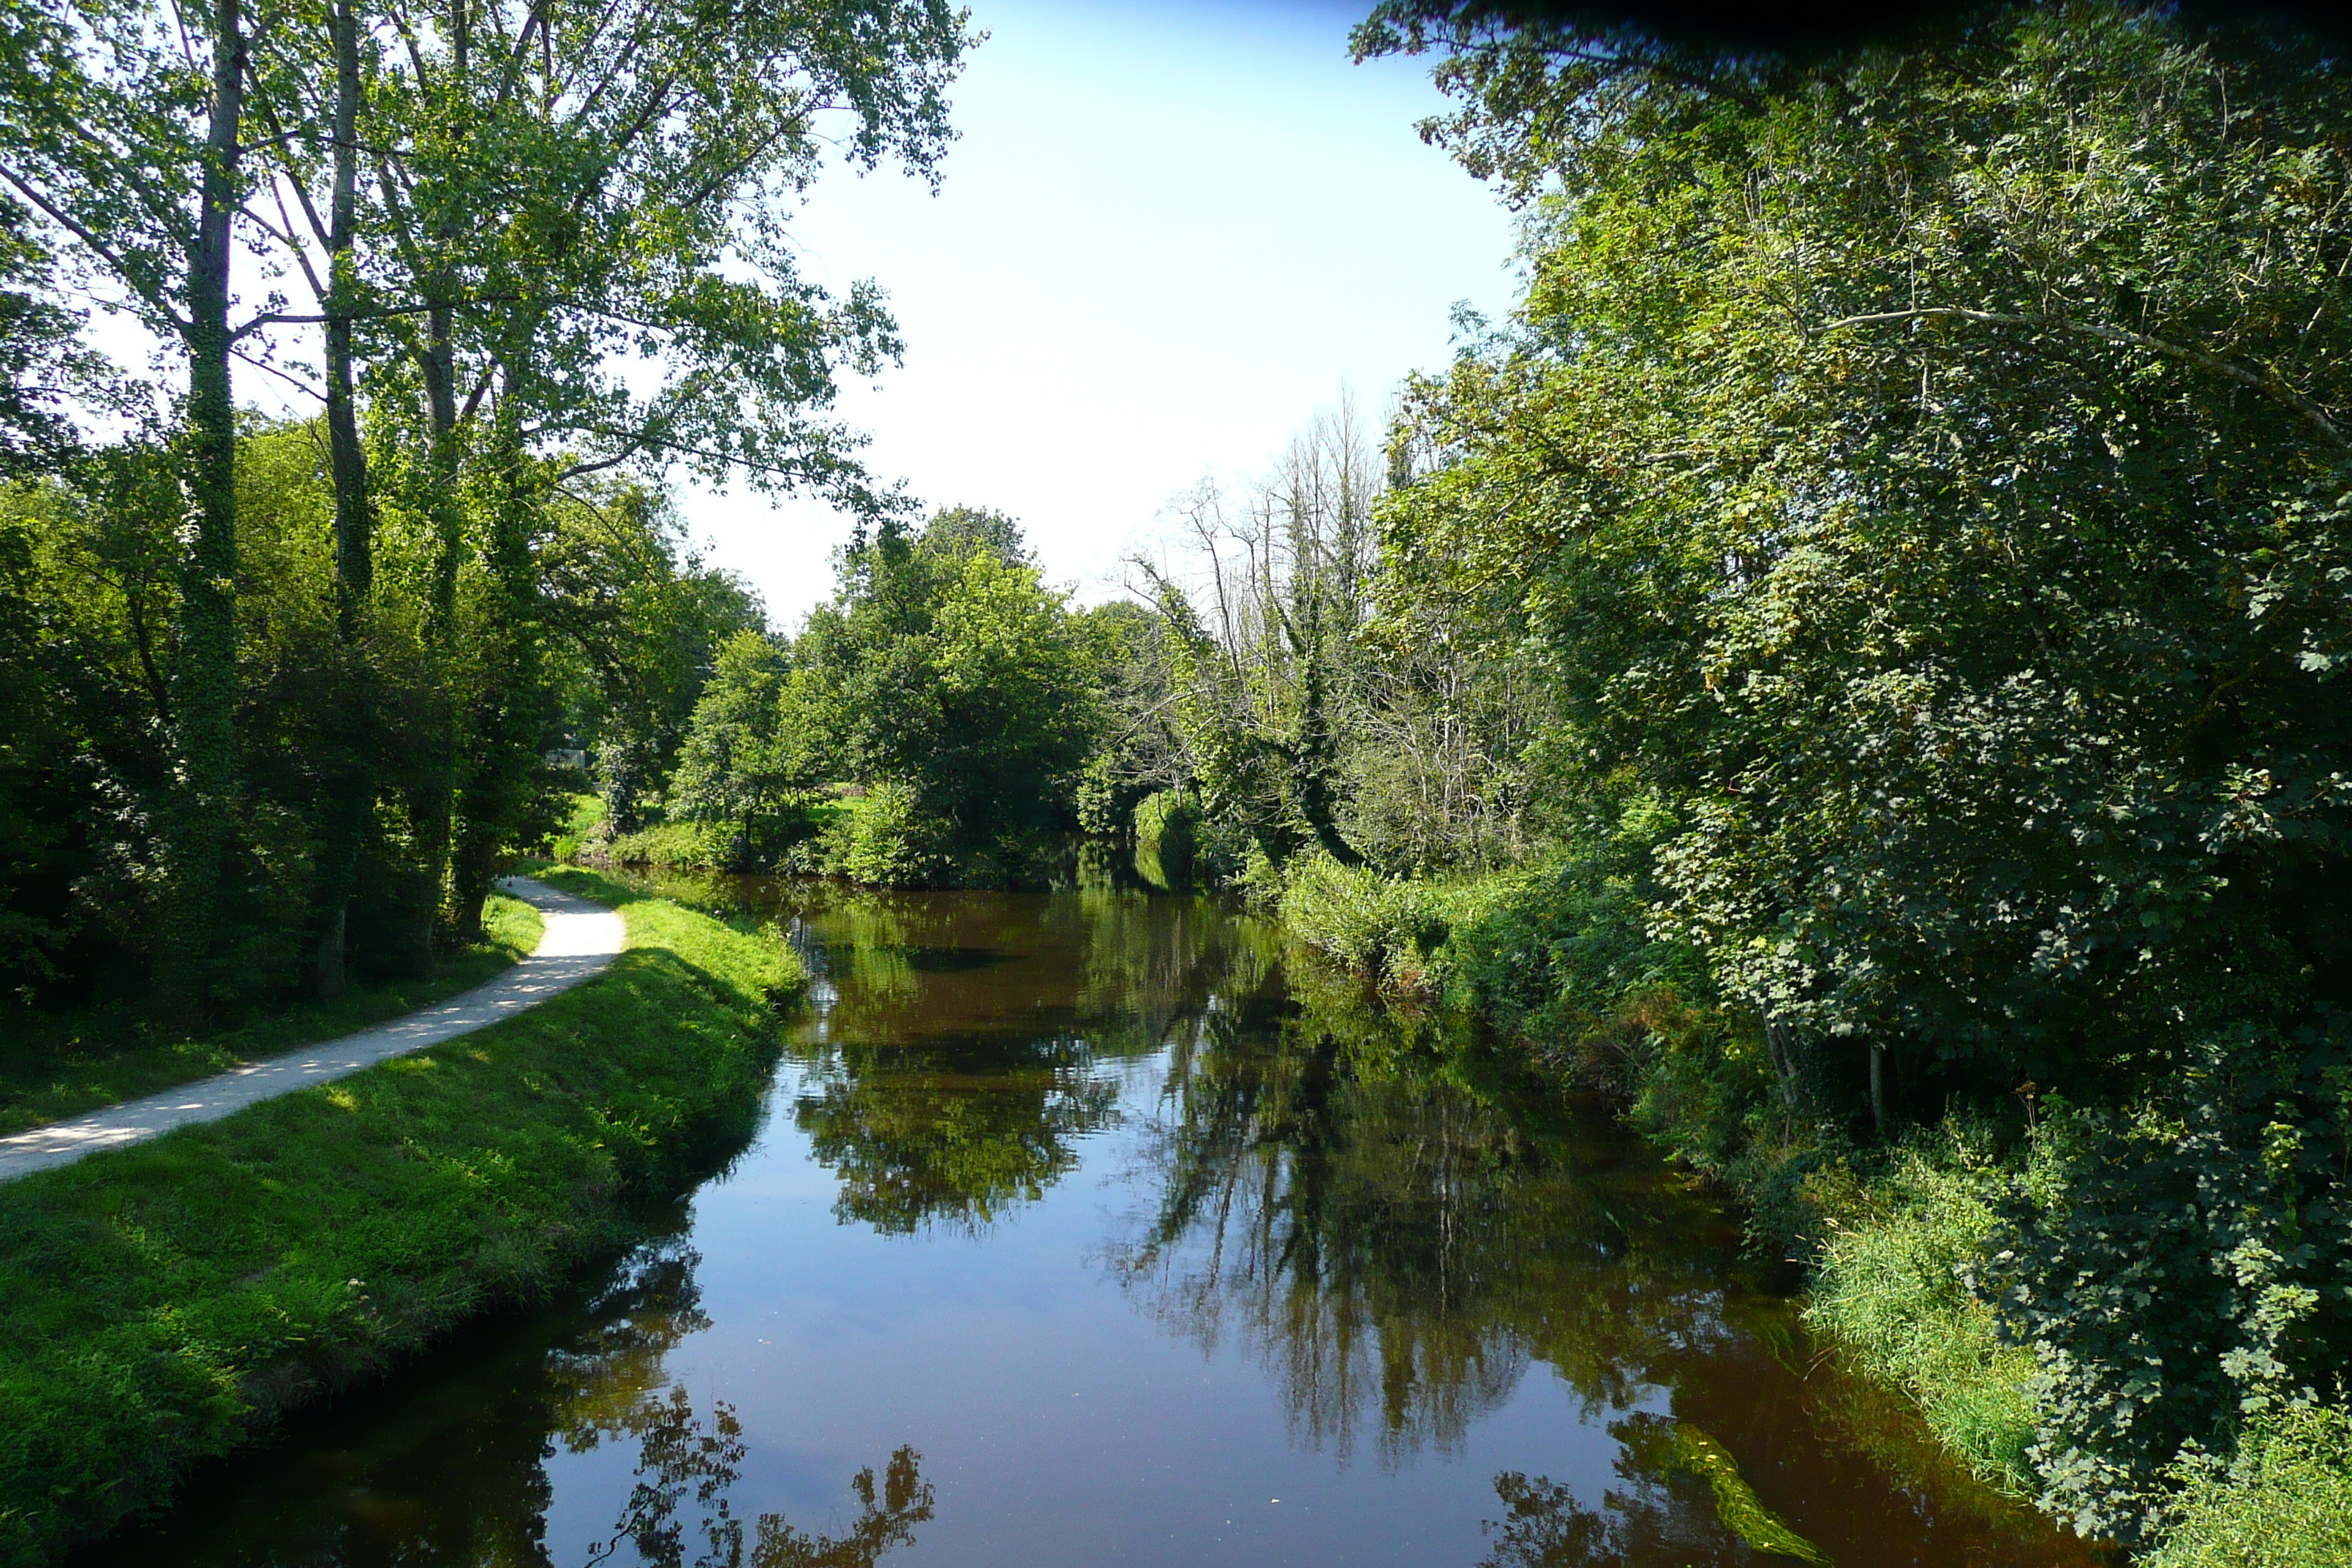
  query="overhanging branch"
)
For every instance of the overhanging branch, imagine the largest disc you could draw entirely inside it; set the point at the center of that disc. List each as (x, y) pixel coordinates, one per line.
(2265, 380)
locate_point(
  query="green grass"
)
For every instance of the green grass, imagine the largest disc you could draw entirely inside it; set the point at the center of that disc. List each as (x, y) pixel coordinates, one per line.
(59, 1066)
(1886, 1291)
(167, 1303)
(587, 815)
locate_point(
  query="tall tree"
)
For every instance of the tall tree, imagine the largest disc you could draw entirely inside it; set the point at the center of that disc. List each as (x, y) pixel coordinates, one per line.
(1928, 473)
(588, 202)
(126, 131)
(314, 120)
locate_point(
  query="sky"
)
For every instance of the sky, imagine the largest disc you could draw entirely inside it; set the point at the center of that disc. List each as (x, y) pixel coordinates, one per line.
(1166, 236)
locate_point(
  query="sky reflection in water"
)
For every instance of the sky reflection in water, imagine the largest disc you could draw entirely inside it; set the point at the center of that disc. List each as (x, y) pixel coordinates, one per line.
(1075, 1235)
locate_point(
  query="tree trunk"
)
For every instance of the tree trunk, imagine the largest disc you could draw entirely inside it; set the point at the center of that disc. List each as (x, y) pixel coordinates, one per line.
(508, 714)
(203, 684)
(351, 787)
(1878, 1089)
(436, 806)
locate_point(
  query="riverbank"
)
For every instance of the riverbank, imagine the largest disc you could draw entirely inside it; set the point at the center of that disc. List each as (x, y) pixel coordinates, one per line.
(1903, 1237)
(172, 1301)
(65, 1065)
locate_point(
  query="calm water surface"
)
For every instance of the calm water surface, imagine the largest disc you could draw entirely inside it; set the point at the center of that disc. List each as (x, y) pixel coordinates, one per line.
(1077, 1234)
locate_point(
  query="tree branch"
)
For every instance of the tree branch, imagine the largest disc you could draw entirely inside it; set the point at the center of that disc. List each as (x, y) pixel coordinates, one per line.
(99, 249)
(2266, 380)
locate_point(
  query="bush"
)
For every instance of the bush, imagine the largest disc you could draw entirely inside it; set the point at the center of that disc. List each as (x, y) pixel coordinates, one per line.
(1383, 928)
(1167, 833)
(704, 845)
(2285, 1502)
(2169, 1263)
(886, 841)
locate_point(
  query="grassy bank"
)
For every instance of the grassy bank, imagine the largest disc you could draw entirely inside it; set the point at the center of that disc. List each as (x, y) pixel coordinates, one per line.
(169, 1302)
(63, 1065)
(1888, 1290)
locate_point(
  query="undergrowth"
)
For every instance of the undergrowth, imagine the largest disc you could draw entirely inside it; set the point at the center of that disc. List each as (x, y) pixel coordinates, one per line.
(1892, 1290)
(2284, 1501)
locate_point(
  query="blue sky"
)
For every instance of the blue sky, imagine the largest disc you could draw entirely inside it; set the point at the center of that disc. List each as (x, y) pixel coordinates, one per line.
(1167, 235)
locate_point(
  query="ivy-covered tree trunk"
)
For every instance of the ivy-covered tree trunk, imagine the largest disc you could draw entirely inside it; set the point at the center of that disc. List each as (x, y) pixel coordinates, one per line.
(350, 782)
(509, 708)
(434, 809)
(203, 685)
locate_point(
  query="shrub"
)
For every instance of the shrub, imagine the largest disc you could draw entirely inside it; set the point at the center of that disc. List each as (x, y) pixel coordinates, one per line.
(2168, 1264)
(2285, 1502)
(886, 841)
(1381, 927)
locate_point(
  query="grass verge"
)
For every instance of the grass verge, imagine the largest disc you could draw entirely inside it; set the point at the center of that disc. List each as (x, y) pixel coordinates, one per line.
(62, 1066)
(1888, 1292)
(168, 1303)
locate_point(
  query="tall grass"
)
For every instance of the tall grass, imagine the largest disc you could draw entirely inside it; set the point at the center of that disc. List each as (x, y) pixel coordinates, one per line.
(1891, 1291)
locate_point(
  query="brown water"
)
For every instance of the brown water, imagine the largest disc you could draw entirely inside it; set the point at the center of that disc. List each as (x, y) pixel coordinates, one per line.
(1077, 1234)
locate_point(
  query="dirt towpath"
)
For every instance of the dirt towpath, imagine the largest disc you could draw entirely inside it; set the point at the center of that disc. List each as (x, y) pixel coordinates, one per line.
(580, 940)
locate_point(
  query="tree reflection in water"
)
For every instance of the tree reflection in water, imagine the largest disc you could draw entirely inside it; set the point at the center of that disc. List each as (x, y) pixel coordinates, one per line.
(680, 1456)
(1544, 1526)
(1397, 1222)
(949, 1136)
(441, 1474)
(1396, 1245)
(610, 1382)
(931, 1127)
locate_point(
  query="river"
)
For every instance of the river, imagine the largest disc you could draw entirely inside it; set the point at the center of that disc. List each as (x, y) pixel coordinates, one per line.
(1078, 1232)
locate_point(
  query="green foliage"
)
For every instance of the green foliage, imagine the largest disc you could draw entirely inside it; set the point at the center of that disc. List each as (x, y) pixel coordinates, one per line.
(87, 608)
(887, 840)
(1921, 472)
(2283, 1502)
(1166, 832)
(703, 845)
(2173, 1266)
(1383, 927)
(751, 755)
(316, 668)
(174, 1300)
(582, 822)
(1891, 1290)
(1985, 658)
(948, 677)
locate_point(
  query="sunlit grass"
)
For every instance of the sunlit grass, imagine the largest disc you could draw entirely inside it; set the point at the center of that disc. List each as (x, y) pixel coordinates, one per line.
(166, 1302)
(1888, 1293)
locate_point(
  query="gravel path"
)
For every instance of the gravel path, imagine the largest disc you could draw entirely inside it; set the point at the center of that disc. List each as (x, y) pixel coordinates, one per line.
(580, 940)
